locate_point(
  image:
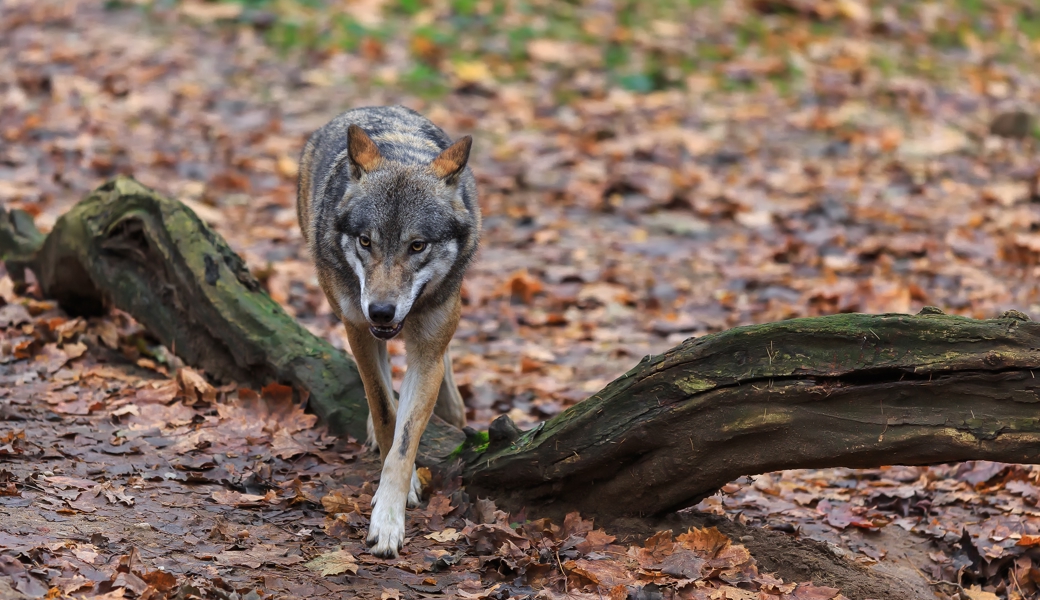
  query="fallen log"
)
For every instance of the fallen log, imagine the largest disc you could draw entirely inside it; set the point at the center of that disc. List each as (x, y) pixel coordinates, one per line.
(845, 390)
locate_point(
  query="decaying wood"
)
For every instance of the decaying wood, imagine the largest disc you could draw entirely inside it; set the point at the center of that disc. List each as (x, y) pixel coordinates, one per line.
(845, 390)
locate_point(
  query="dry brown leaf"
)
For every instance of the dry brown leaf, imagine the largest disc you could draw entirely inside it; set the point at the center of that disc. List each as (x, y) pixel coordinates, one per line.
(333, 563)
(448, 534)
(258, 555)
(161, 392)
(728, 592)
(338, 501)
(233, 498)
(284, 446)
(86, 552)
(195, 387)
(436, 509)
(976, 593)
(708, 541)
(595, 540)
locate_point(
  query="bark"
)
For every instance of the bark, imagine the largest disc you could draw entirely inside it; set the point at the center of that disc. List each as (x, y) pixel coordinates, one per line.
(152, 257)
(19, 241)
(847, 390)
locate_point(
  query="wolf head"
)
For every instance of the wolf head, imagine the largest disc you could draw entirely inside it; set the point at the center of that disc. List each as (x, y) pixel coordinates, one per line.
(405, 230)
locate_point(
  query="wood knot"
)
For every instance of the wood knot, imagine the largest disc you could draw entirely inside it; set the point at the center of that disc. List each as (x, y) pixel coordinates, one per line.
(502, 432)
(931, 310)
(993, 359)
(1014, 314)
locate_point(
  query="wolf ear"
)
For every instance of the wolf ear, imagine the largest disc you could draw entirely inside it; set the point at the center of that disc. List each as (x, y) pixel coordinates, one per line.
(363, 153)
(452, 160)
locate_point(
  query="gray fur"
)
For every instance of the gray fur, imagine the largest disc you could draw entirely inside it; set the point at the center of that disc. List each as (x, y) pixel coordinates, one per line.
(390, 215)
(400, 200)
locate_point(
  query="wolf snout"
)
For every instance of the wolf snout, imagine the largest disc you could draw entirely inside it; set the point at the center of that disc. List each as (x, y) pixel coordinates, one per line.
(381, 313)
(381, 320)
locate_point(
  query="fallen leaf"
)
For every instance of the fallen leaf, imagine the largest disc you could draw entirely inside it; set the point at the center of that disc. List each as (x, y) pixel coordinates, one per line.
(161, 392)
(258, 555)
(284, 446)
(195, 387)
(233, 498)
(684, 564)
(86, 553)
(338, 501)
(446, 535)
(976, 593)
(708, 541)
(604, 574)
(333, 563)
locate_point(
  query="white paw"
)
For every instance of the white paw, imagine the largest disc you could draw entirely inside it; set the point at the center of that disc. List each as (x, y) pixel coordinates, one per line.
(386, 529)
(415, 491)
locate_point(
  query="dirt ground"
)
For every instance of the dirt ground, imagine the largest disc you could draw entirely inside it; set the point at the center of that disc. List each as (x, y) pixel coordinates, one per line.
(886, 162)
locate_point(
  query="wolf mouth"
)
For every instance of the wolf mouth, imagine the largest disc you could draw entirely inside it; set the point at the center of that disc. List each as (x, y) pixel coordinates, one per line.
(386, 333)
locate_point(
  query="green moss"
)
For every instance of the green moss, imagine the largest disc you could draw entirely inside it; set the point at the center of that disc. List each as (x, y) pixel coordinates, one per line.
(756, 421)
(476, 444)
(693, 384)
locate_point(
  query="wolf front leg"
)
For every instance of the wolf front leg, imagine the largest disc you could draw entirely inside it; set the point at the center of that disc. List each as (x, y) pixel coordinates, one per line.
(425, 344)
(374, 366)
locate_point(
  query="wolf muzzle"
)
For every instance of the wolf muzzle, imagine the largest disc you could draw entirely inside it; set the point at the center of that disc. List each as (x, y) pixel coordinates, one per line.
(386, 332)
(380, 316)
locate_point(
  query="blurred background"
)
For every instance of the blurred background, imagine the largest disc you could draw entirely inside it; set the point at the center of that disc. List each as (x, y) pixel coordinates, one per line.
(649, 171)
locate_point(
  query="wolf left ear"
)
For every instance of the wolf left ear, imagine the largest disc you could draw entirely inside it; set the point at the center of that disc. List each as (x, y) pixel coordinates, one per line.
(363, 153)
(452, 160)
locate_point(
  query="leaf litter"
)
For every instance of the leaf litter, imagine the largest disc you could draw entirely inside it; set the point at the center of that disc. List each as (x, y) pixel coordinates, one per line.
(642, 181)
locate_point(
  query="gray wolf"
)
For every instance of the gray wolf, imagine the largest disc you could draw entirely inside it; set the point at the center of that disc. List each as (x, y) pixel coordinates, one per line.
(388, 208)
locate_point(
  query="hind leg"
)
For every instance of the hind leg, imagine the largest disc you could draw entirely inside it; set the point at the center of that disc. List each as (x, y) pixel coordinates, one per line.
(383, 363)
(449, 401)
(373, 365)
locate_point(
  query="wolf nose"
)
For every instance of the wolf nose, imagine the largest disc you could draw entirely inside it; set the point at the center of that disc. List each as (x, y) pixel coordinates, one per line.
(381, 313)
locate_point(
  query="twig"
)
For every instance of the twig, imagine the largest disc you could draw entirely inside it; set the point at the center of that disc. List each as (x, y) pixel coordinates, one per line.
(928, 579)
(562, 572)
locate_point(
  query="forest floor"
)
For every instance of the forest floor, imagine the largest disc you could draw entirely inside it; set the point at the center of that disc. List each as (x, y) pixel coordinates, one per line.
(645, 176)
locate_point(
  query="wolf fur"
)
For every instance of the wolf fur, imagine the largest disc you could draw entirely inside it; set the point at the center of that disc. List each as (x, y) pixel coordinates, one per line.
(388, 208)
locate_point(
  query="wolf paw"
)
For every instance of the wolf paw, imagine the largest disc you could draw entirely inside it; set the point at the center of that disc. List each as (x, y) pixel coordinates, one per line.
(415, 490)
(386, 529)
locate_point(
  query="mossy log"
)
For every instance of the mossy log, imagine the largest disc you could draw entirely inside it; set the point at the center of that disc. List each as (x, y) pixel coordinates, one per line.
(845, 390)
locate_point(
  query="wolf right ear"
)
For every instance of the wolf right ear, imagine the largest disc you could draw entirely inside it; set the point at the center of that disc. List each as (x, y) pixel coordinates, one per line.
(363, 153)
(452, 160)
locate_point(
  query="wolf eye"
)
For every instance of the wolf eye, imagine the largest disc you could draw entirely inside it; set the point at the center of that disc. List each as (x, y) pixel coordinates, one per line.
(364, 241)
(418, 246)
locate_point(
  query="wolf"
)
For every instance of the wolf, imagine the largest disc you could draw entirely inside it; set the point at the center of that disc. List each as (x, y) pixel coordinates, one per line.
(388, 208)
